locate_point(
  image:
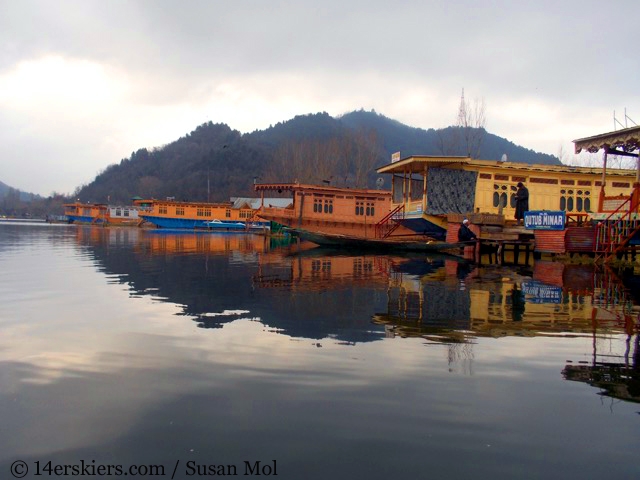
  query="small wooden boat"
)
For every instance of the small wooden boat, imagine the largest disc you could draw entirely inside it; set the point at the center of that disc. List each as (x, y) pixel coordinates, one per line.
(225, 225)
(396, 245)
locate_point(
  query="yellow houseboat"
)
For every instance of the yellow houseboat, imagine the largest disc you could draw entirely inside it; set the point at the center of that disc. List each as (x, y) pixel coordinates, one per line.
(427, 189)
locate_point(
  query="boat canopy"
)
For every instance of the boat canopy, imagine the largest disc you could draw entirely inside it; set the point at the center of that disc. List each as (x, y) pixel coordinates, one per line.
(619, 142)
(419, 163)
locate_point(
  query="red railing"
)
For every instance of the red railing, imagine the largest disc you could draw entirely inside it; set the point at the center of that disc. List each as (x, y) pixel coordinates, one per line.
(613, 234)
(389, 223)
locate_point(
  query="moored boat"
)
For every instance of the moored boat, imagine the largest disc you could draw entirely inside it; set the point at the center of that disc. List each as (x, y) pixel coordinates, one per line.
(103, 214)
(225, 226)
(237, 214)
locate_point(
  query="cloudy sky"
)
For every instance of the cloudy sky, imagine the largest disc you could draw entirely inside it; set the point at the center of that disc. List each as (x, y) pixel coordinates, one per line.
(83, 83)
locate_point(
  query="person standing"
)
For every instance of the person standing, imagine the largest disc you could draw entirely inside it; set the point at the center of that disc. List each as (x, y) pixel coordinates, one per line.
(522, 202)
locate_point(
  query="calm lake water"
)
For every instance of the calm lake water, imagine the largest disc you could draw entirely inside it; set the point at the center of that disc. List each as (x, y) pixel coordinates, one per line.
(186, 355)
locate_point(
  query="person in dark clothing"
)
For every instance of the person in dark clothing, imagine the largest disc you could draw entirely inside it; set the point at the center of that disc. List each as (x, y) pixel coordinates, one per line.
(465, 234)
(522, 202)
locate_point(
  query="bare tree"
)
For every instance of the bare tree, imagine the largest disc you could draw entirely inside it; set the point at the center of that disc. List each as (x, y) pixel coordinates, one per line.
(471, 125)
(364, 155)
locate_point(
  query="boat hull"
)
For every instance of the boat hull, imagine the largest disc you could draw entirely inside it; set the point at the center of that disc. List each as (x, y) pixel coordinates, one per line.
(343, 241)
(191, 224)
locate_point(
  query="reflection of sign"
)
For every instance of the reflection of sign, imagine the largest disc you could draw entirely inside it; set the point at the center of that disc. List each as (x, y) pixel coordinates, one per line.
(541, 293)
(545, 220)
(395, 157)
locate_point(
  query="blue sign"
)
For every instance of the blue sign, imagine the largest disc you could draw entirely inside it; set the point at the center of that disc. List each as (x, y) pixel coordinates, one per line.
(545, 220)
(538, 292)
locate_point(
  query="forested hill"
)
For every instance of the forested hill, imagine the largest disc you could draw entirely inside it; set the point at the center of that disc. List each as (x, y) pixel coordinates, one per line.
(215, 162)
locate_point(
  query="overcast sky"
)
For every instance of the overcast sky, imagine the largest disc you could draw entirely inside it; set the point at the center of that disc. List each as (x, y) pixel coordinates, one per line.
(83, 83)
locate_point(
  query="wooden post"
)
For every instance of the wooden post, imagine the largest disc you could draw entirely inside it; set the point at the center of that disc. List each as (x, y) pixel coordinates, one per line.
(424, 191)
(603, 181)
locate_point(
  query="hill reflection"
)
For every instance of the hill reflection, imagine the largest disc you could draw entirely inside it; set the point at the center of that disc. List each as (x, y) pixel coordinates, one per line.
(350, 298)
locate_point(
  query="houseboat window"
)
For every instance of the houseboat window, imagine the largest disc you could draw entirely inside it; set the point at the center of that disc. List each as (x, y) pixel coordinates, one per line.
(227, 213)
(579, 204)
(118, 212)
(125, 213)
(416, 189)
(179, 210)
(563, 192)
(570, 192)
(587, 205)
(503, 199)
(579, 192)
(162, 210)
(495, 187)
(398, 189)
(563, 203)
(370, 210)
(86, 211)
(359, 208)
(513, 200)
(514, 188)
(570, 204)
(207, 212)
(496, 199)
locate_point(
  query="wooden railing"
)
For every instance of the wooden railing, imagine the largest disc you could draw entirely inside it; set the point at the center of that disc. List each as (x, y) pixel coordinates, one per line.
(614, 233)
(389, 223)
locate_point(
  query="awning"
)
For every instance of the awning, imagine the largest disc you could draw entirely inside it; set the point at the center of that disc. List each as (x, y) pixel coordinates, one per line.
(625, 140)
(417, 164)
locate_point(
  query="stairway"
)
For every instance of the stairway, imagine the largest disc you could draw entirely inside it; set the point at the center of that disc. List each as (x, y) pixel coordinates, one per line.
(389, 224)
(614, 233)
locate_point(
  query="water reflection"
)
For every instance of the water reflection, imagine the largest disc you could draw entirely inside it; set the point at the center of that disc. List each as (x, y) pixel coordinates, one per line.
(217, 279)
(441, 299)
(130, 346)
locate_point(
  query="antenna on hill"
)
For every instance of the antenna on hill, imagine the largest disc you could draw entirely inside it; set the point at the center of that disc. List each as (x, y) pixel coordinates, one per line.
(379, 182)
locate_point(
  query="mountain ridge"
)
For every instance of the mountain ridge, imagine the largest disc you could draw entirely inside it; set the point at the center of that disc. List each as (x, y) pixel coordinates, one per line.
(214, 162)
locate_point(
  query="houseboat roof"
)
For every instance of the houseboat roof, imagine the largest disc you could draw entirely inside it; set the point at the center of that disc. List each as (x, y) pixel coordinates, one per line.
(627, 139)
(418, 163)
(256, 203)
(292, 187)
(185, 203)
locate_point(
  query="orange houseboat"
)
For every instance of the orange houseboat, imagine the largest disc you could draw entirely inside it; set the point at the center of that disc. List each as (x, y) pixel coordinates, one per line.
(239, 214)
(103, 214)
(315, 209)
